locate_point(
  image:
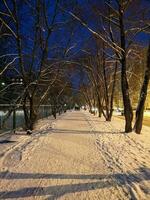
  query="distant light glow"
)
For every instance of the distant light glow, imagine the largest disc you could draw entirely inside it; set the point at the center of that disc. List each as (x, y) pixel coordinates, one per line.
(3, 84)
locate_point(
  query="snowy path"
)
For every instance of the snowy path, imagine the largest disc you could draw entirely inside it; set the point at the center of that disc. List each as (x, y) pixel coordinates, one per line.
(82, 158)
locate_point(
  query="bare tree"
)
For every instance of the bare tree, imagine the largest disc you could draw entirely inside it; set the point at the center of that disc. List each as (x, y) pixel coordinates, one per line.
(120, 32)
(37, 62)
(143, 95)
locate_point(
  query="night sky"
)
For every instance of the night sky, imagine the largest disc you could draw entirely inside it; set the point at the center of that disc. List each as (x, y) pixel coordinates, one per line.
(66, 26)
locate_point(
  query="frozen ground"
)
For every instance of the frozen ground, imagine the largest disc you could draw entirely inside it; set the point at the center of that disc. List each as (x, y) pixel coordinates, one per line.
(80, 157)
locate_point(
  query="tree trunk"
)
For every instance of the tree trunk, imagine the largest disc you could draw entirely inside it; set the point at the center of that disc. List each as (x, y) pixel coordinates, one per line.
(124, 82)
(94, 103)
(126, 99)
(33, 114)
(142, 98)
(106, 94)
(113, 91)
(26, 113)
(99, 106)
(54, 111)
(30, 117)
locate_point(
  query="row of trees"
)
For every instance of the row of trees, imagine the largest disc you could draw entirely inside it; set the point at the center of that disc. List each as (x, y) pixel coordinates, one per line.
(116, 44)
(32, 55)
(43, 44)
(102, 90)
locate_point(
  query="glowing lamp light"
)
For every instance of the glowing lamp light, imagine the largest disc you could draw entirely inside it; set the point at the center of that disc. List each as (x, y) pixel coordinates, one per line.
(3, 84)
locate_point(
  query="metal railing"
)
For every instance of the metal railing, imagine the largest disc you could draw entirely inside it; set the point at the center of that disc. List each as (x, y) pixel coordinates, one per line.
(15, 119)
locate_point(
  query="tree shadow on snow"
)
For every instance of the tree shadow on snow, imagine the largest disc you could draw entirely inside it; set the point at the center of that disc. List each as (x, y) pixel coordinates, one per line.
(6, 141)
(99, 181)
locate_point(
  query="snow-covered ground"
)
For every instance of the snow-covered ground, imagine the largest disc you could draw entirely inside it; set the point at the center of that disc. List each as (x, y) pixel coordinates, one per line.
(78, 156)
(147, 113)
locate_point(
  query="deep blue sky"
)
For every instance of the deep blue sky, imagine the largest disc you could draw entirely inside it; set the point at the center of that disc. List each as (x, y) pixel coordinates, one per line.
(66, 25)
